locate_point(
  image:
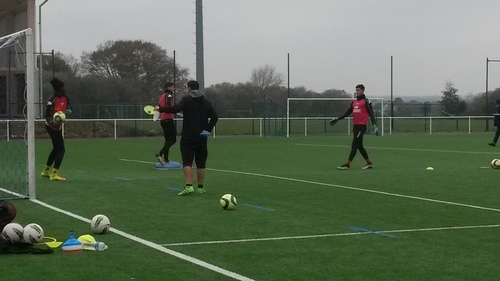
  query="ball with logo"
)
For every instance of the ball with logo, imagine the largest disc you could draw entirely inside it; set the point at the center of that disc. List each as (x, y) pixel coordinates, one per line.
(59, 117)
(33, 233)
(13, 232)
(495, 163)
(228, 202)
(100, 224)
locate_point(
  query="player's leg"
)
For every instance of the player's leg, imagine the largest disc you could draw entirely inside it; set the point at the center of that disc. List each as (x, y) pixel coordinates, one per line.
(170, 139)
(187, 152)
(58, 142)
(354, 148)
(363, 152)
(495, 139)
(159, 155)
(201, 160)
(52, 154)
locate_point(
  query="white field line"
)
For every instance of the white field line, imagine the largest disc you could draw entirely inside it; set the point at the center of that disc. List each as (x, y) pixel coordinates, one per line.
(146, 242)
(401, 149)
(345, 187)
(332, 235)
(359, 189)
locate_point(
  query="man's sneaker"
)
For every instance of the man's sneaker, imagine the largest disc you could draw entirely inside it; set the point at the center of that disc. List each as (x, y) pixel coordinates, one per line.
(57, 178)
(187, 190)
(201, 190)
(46, 174)
(368, 166)
(344, 167)
(160, 159)
(491, 144)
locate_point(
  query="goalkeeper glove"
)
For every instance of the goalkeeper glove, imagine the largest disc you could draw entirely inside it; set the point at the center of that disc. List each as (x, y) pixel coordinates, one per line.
(334, 121)
(68, 111)
(376, 130)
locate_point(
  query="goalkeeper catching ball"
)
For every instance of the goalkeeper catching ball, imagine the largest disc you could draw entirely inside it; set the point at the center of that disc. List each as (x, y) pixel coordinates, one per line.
(362, 111)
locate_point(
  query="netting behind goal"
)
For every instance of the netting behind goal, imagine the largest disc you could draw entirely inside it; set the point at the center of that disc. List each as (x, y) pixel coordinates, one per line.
(311, 116)
(17, 147)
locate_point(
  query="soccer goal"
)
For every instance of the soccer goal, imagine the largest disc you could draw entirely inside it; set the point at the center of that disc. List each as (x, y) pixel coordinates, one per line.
(17, 120)
(312, 115)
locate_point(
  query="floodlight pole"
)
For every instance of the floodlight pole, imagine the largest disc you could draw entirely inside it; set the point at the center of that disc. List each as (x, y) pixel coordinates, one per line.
(392, 96)
(486, 93)
(200, 68)
(40, 56)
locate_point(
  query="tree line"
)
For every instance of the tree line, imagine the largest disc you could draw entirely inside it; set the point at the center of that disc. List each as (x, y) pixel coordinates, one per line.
(133, 72)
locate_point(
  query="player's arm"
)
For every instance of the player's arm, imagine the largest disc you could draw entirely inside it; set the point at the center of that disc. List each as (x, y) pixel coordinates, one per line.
(173, 109)
(369, 108)
(69, 108)
(336, 119)
(214, 117)
(48, 109)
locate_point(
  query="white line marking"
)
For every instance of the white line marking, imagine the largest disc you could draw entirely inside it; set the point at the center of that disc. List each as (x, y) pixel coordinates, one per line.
(331, 235)
(346, 187)
(146, 242)
(395, 148)
(358, 189)
(137, 161)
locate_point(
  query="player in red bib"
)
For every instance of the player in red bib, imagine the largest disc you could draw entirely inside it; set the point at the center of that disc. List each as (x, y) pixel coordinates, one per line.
(362, 111)
(57, 102)
(167, 123)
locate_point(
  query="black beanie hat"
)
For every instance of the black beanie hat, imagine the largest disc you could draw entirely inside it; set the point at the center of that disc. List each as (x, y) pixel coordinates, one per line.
(57, 84)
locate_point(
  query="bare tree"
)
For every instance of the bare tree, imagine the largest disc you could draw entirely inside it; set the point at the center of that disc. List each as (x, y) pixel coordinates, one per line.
(266, 76)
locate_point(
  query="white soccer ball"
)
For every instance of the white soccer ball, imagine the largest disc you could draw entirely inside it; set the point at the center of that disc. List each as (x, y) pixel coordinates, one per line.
(495, 163)
(100, 224)
(59, 117)
(33, 233)
(228, 202)
(13, 232)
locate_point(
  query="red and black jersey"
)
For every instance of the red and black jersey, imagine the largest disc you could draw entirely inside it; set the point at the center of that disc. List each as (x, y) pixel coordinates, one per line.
(166, 99)
(54, 104)
(361, 110)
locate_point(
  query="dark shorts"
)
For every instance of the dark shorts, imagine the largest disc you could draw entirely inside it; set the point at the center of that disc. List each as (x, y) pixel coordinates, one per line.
(194, 149)
(169, 129)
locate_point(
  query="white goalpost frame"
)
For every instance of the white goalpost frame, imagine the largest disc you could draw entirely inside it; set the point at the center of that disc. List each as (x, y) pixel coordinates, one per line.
(30, 100)
(380, 121)
(30, 107)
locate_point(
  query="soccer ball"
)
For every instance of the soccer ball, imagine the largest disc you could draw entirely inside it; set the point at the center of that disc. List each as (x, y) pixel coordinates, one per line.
(495, 163)
(59, 117)
(100, 224)
(33, 233)
(13, 232)
(228, 202)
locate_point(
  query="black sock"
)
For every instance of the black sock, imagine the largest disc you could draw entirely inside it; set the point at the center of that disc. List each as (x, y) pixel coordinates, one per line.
(200, 186)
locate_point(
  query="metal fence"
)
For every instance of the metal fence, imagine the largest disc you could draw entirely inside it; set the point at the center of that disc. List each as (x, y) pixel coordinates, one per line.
(261, 127)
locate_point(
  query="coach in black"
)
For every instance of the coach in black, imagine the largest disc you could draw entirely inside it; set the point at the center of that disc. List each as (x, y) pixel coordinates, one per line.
(199, 118)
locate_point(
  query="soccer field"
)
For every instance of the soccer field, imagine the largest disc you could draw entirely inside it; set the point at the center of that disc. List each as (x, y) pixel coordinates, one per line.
(298, 218)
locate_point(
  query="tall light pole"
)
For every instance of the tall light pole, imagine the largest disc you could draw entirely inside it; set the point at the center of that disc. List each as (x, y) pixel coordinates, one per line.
(40, 56)
(200, 67)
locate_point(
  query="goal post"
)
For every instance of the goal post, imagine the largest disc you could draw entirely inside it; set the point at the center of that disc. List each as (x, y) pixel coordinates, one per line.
(377, 104)
(17, 115)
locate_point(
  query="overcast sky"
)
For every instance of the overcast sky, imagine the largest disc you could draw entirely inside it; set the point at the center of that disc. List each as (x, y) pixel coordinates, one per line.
(333, 44)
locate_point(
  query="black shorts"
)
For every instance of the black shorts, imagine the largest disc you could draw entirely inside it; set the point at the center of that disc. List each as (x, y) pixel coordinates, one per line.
(194, 149)
(169, 129)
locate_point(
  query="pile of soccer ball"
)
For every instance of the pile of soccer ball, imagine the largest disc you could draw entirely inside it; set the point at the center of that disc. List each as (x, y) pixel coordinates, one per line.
(495, 163)
(33, 233)
(16, 233)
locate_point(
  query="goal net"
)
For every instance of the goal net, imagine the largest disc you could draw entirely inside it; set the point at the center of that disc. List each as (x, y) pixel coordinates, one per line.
(17, 121)
(311, 116)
